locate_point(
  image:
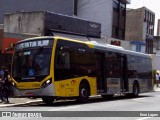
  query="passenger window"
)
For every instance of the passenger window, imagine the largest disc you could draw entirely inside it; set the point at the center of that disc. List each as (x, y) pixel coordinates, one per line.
(62, 60)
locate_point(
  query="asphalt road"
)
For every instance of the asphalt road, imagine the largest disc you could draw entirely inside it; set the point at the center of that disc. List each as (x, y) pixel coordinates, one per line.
(141, 108)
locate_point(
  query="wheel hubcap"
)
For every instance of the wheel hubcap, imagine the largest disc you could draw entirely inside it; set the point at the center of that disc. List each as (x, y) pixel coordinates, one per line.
(84, 92)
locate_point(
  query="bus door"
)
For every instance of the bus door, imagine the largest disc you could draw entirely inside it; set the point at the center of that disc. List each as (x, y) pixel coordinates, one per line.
(100, 73)
(124, 77)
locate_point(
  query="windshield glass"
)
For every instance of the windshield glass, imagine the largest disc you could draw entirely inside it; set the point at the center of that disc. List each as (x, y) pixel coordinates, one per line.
(32, 62)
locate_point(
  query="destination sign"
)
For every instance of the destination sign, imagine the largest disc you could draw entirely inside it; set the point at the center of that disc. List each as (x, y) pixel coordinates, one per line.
(30, 44)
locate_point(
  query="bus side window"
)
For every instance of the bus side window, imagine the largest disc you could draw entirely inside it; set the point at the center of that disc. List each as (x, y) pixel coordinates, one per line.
(62, 60)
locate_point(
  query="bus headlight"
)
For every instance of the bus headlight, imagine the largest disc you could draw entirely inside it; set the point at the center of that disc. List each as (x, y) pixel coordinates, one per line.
(13, 84)
(46, 83)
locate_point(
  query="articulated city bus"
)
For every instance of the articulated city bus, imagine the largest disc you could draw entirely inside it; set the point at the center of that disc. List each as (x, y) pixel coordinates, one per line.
(56, 67)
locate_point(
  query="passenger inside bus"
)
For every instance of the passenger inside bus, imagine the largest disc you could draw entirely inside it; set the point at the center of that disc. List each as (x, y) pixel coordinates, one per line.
(32, 68)
(40, 60)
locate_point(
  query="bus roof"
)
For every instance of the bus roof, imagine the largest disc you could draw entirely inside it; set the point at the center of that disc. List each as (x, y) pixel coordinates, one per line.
(93, 43)
(118, 49)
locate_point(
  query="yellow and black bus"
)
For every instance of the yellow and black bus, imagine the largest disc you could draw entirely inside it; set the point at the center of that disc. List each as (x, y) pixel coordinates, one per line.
(53, 67)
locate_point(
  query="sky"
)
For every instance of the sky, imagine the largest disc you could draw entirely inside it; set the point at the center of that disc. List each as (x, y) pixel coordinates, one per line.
(153, 5)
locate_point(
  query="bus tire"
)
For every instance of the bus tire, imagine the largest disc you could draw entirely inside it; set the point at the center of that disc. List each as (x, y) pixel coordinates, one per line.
(83, 93)
(48, 100)
(135, 89)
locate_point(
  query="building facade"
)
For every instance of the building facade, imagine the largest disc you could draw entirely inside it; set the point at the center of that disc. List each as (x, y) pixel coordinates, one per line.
(140, 26)
(138, 46)
(157, 39)
(1, 37)
(110, 13)
(158, 28)
(57, 6)
(157, 44)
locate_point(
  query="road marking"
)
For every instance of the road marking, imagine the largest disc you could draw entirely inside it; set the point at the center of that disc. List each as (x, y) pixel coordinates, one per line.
(55, 109)
(33, 101)
(138, 99)
(144, 118)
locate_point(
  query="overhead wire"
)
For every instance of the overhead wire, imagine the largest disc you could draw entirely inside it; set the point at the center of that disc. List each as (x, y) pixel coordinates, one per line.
(71, 10)
(96, 3)
(90, 5)
(49, 3)
(84, 4)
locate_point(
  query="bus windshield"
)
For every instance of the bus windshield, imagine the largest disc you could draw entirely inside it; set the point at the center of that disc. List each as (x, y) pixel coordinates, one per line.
(32, 61)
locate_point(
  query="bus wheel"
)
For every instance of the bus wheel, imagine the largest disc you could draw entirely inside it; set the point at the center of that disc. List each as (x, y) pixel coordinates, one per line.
(135, 89)
(83, 93)
(48, 100)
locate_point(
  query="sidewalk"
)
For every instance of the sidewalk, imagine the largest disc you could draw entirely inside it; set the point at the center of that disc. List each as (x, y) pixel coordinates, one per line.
(156, 88)
(20, 101)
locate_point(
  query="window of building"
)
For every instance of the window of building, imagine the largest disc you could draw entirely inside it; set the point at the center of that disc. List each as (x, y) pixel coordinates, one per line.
(115, 19)
(121, 33)
(122, 9)
(151, 18)
(75, 7)
(138, 48)
(118, 23)
(145, 16)
(115, 5)
(115, 32)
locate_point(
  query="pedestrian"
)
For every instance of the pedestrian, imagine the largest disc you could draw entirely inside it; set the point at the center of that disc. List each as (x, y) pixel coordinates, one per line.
(157, 79)
(1, 90)
(1, 72)
(5, 87)
(1, 83)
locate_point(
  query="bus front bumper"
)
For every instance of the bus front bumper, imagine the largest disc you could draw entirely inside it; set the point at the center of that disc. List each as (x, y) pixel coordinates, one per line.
(47, 91)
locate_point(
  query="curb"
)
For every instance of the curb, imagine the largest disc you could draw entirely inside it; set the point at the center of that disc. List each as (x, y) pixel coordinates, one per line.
(156, 90)
(18, 104)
